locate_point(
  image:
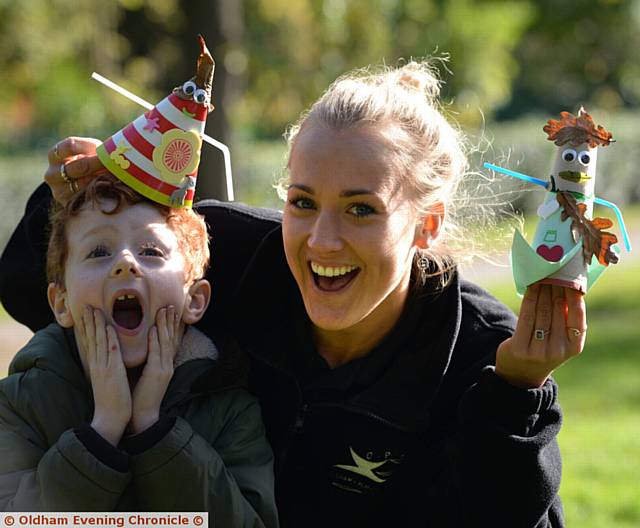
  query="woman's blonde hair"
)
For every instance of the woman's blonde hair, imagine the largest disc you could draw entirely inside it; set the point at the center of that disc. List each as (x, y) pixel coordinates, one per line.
(430, 154)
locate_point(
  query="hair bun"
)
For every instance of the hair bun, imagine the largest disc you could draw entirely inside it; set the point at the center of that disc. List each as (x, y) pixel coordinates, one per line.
(420, 76)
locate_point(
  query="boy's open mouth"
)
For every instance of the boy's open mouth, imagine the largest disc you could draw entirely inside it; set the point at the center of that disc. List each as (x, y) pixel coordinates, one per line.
(127, 311)
(332, 279)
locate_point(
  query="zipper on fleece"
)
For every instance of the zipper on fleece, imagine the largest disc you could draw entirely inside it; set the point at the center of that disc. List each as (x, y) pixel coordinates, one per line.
(300, 416)
(303, 408)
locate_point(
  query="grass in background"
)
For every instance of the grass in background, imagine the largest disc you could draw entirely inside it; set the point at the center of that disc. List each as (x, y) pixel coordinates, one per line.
(600, 397)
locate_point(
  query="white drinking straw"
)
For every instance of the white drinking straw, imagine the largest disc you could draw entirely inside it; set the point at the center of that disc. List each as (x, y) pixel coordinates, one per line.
(145, 104)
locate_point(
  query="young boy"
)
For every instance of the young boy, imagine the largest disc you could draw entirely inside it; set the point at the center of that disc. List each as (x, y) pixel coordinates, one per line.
(113, 408)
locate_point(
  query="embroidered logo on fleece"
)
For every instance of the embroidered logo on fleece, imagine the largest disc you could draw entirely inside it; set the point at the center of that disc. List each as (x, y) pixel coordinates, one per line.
(372, 470)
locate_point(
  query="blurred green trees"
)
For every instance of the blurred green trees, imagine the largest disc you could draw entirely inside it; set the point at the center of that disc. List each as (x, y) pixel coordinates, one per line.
(508, 58)
(47, 50)
(296, 49)
(578, 51)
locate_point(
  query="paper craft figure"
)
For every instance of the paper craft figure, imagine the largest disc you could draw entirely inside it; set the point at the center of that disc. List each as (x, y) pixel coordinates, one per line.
(569, 248)
(159, 153)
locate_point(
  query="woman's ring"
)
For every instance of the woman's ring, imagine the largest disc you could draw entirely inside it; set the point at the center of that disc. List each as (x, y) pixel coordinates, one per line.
(63, 174)
(73, 184)
(540, 334)
(576, 331)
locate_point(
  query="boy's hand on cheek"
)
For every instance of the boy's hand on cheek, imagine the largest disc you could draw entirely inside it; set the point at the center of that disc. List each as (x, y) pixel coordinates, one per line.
(163, 341)
(108, 375)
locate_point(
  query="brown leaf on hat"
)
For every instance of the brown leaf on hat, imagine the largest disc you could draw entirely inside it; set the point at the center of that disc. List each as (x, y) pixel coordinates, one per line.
(595, 241)
(577, 130)
(205, 66)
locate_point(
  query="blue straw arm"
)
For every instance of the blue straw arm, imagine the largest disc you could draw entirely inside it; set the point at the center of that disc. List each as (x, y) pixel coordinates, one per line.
(515, 174)
(623, 228)
(543, 183)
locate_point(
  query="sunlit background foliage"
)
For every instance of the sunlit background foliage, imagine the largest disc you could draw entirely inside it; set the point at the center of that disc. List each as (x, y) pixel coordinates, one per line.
(507, 60)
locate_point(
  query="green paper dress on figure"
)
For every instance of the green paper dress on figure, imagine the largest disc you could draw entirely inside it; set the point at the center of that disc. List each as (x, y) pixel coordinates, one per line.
(554, 256)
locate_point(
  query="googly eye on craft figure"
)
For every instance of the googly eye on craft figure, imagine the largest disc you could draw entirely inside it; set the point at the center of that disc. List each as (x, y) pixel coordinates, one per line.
(584, 158)
(189, 88)
(200, 96)
(569, 155)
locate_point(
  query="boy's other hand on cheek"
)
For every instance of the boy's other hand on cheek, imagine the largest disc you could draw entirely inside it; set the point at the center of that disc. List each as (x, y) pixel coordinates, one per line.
(163, 341)
(111, 393)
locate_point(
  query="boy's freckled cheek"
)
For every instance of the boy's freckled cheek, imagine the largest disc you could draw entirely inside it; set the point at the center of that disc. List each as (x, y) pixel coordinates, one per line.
(81, 299)
(84, 288)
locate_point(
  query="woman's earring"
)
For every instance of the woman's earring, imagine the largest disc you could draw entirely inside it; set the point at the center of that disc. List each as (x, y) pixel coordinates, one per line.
(423, 265)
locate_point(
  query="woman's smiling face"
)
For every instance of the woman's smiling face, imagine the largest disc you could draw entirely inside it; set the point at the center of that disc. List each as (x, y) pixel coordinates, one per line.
(349, 228)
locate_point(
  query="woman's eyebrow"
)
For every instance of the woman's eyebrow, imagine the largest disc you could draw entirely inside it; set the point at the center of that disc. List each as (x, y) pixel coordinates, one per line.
(344, 194)
(355, 192)
(304, 188)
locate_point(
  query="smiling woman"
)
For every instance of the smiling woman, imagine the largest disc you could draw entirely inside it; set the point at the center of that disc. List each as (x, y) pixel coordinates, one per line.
(358, 222)
(392, 339)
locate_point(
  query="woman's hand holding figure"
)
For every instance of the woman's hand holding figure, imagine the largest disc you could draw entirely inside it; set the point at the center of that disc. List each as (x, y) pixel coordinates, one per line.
(550, 330)
(108, 375)
(163, 341)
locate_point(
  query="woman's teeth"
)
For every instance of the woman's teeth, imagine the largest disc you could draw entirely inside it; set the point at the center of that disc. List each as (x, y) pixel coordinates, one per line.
(327, 271)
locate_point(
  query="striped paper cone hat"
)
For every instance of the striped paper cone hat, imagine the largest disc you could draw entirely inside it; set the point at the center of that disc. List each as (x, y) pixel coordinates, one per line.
(158, 154)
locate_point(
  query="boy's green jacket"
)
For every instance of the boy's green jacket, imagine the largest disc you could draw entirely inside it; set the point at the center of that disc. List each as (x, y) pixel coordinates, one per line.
(213, 458)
